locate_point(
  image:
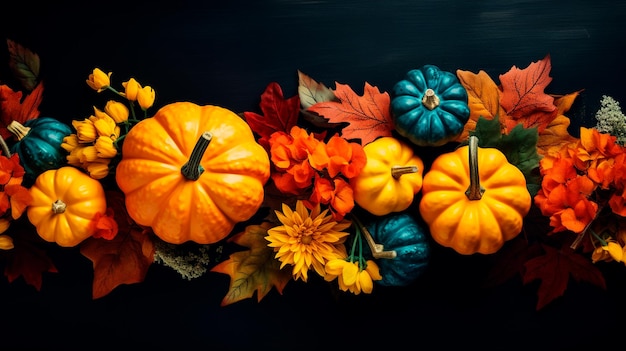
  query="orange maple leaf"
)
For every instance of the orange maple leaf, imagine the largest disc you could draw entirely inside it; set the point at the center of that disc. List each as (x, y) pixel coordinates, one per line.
(523, 97)
(556, 133)
(252, 270)
(554, 269)
(368, 117)
(483, 100)
(123, 260)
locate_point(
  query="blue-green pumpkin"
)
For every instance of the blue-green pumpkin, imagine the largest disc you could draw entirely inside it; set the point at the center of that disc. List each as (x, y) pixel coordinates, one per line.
(403, 234)
(429, 106)
(39, 145)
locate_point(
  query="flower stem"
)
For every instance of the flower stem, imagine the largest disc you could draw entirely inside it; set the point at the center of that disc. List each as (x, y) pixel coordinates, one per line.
(5, 147)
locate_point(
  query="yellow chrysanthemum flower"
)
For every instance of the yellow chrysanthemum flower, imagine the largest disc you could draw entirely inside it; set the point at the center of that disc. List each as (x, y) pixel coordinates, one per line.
(351, 277)
(307, 240)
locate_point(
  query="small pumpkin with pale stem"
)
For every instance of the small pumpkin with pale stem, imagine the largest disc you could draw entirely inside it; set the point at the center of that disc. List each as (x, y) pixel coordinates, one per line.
(390, 179)
(474, 200)
(192, 172)
(39, 145)
(65, 203)
(429, 106)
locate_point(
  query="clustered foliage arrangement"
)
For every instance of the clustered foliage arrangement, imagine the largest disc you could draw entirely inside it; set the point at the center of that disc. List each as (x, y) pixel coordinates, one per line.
(326, 182)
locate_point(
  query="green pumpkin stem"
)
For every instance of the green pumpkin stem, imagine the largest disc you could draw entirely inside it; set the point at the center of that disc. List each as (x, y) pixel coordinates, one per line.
(18, 129)
(397, 171)
(474, 191)
(378, 250)
(58, 206)
(193, 169)
(430, 99)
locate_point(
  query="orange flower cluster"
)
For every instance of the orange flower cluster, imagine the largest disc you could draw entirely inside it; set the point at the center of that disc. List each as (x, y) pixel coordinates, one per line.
(581, 179)
(302, 161)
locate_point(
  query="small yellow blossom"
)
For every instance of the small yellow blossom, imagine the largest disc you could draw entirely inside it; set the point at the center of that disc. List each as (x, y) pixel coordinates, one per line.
(117, 111)
(98, 169)
(307, 240)
(70, 142)
(615, 250)
(105, 126)
(351, 277)
(145, 97)
(4, 224)
(6, 242)
(85, 130)
(131, 88)
(105, 148)
(98, 80)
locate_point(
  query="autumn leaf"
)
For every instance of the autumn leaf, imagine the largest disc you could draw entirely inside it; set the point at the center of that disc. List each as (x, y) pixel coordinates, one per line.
(12, 108)
(523, 97)
(123, 260)
(556, 134)
(312, 92)
(24, 64)
(252, 270)
(279, 114)
(368, 117)
(483, 99)
(28, 261)
(554, 269)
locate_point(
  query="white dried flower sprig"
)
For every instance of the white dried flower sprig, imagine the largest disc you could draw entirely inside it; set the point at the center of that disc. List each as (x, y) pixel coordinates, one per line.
(189, 260)
(611, 119)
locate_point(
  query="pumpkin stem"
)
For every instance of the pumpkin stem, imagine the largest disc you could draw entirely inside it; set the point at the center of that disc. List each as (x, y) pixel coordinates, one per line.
(58, 206)
(377, 249)
(397, 171)
(430, 99)
(18, 129)
(474, 191)
(193, 169)
(5, 148)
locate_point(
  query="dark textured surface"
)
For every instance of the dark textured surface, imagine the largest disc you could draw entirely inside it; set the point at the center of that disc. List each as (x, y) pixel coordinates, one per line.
(225, 53)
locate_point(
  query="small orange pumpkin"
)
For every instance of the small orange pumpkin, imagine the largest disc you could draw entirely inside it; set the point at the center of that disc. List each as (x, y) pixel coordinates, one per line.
(192, 172)
(474, 200)
(65, 202)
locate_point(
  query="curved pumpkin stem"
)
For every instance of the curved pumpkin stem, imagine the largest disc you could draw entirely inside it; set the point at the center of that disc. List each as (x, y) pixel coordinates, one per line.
(397, 171)
(430, 99)
(193, 169)
(378, 250)
(474, 191)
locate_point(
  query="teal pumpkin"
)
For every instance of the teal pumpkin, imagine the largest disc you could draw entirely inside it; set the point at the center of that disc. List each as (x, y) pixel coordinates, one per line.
(429, 106)
(39, 145)
(402, 233)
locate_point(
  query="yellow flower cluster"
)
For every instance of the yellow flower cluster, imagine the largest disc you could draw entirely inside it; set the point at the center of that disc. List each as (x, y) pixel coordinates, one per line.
(94, 145)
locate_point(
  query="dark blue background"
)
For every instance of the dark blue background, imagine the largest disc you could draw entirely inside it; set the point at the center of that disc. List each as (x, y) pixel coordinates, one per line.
(226, 53)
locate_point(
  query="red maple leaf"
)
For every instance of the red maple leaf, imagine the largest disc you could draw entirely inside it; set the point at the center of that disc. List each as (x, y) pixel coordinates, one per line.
(12, 108)
(279, 114)
(523, 97)
(368, 117)
(123, 260)
(554, 269)
(28, 261)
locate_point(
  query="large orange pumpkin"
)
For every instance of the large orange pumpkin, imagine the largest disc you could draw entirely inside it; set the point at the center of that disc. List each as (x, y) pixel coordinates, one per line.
(192, 172)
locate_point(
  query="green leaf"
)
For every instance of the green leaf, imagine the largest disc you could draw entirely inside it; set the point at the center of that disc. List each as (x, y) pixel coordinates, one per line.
(24, 64)
(519, 147)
